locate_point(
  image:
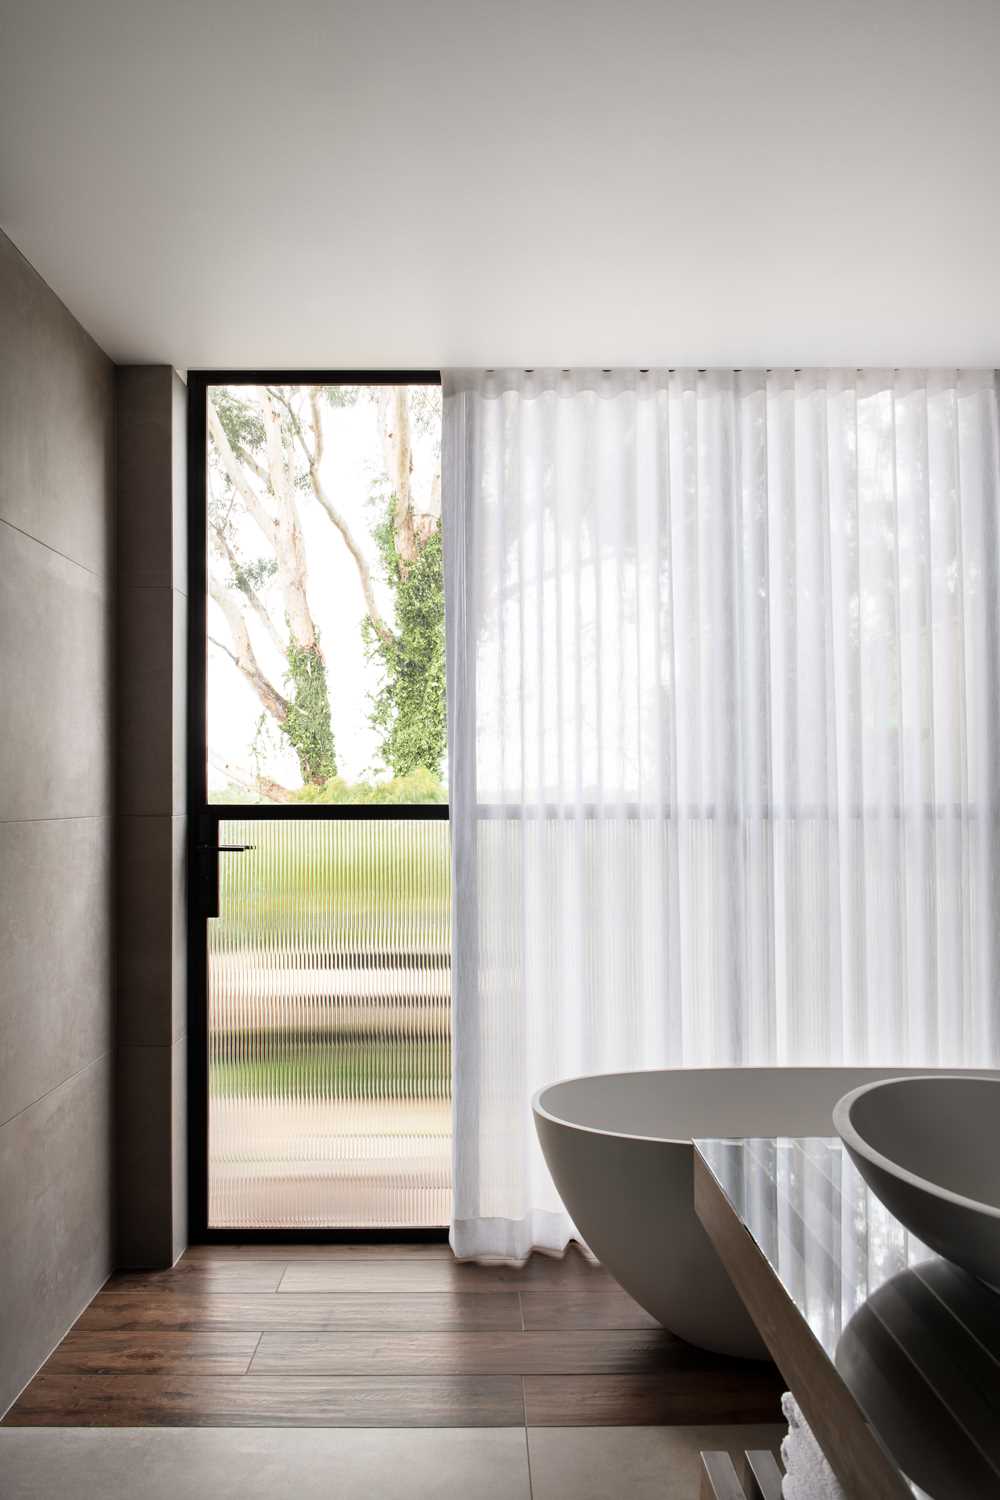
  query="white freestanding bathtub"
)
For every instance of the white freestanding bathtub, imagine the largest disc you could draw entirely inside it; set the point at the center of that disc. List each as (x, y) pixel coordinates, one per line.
(618, 1146)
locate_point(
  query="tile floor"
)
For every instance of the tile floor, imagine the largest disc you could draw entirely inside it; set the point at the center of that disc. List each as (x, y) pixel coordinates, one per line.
(374, 1373)
(394, 1336)
(505, 1463)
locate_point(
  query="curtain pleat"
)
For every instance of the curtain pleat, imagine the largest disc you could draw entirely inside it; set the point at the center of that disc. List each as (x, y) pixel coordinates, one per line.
(724, 706)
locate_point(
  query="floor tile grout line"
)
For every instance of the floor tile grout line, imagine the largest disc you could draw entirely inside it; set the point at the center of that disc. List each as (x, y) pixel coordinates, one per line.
(254, 1354)
(527, 1443)
(260, 1375)
(200, 1269)
(338, 1330)
(290, 1426)
(578, 1336)
(441, 1291)
(355, 1375)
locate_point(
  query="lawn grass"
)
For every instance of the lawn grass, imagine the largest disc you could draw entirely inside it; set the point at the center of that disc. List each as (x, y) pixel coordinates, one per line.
(418, 1069)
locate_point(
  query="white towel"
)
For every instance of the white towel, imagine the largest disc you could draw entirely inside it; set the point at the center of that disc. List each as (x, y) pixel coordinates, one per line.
(808, 1476)
(791, 1410)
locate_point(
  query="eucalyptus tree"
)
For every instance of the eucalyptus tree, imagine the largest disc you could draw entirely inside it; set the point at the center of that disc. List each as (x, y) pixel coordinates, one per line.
(266, 461)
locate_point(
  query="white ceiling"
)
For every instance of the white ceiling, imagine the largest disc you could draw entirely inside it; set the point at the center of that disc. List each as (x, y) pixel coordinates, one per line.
(405, 183)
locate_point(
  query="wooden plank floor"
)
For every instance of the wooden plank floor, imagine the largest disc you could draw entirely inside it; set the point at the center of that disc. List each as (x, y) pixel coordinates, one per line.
(380, 1336)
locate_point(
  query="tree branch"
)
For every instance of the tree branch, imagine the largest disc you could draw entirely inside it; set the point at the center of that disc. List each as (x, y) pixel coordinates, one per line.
(243, 654)
(213, 640)
(237, 478)
(248, 592)
(289, 548)
(276, 394)
(271, 789)
(340, 521)
(397, 455)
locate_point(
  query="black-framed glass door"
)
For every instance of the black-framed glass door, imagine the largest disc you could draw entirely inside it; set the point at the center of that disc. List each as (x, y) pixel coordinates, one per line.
(320, 892)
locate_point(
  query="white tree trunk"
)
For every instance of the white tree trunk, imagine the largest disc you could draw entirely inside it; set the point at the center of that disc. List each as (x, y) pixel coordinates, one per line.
(289, 548)
(315, 461)
(242, 653)
(397, 456)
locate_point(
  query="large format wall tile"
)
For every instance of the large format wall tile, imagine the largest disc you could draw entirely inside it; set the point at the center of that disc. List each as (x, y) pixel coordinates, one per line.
(152, 477)
(142, 1127)
(145, 475)
(55, 667)
(55, 938)
(179, 1146)
(178, 693)
(145, 674)
(55, 1227)
(152, 646)
(179, 400)
(57, 540)
(152, 801)
(152, 1144)
(57, 405)
(152, 930)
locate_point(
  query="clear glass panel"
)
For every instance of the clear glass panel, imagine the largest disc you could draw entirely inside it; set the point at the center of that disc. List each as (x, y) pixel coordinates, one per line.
(329, 1026)
(325, 609)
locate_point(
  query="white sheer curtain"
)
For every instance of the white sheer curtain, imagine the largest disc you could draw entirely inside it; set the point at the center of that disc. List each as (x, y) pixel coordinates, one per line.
(724, 686)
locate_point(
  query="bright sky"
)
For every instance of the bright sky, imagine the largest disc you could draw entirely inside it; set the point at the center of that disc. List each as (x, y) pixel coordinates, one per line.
(352, 467)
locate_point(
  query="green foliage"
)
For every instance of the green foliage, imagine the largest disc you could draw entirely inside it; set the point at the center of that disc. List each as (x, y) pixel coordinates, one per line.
(240, 420)
(307, 724)
(425, 409)
(341, 395)
(282, 1067)
(251, 577)
(232, 793)
(409, 709)
(420, 786)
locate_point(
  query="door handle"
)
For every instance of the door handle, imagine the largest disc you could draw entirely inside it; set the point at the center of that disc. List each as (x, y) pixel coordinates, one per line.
(208, 873)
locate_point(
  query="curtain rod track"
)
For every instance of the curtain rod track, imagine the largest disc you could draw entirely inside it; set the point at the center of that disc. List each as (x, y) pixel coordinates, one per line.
(699, 370)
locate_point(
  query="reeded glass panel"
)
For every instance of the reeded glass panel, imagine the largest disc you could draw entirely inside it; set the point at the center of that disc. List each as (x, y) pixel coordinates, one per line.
(329, 1026)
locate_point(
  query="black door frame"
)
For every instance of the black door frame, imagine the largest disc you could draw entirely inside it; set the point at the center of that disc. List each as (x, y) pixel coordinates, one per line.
(204, 818)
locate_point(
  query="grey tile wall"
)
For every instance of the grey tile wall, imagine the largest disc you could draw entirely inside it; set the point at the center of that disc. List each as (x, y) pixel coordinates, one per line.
(152, 953)
(55, 938)
(58, 417)
(145, 476)
(56, 819)
(151, 1130)
(56, 1229)
(144, 1186)
(179, 1146)
(55, 666)
(152, 838)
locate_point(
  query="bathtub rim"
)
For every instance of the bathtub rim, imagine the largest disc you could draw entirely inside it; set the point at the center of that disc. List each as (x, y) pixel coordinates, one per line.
(907, 1070)
(857, 1143)
(617, 1135)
